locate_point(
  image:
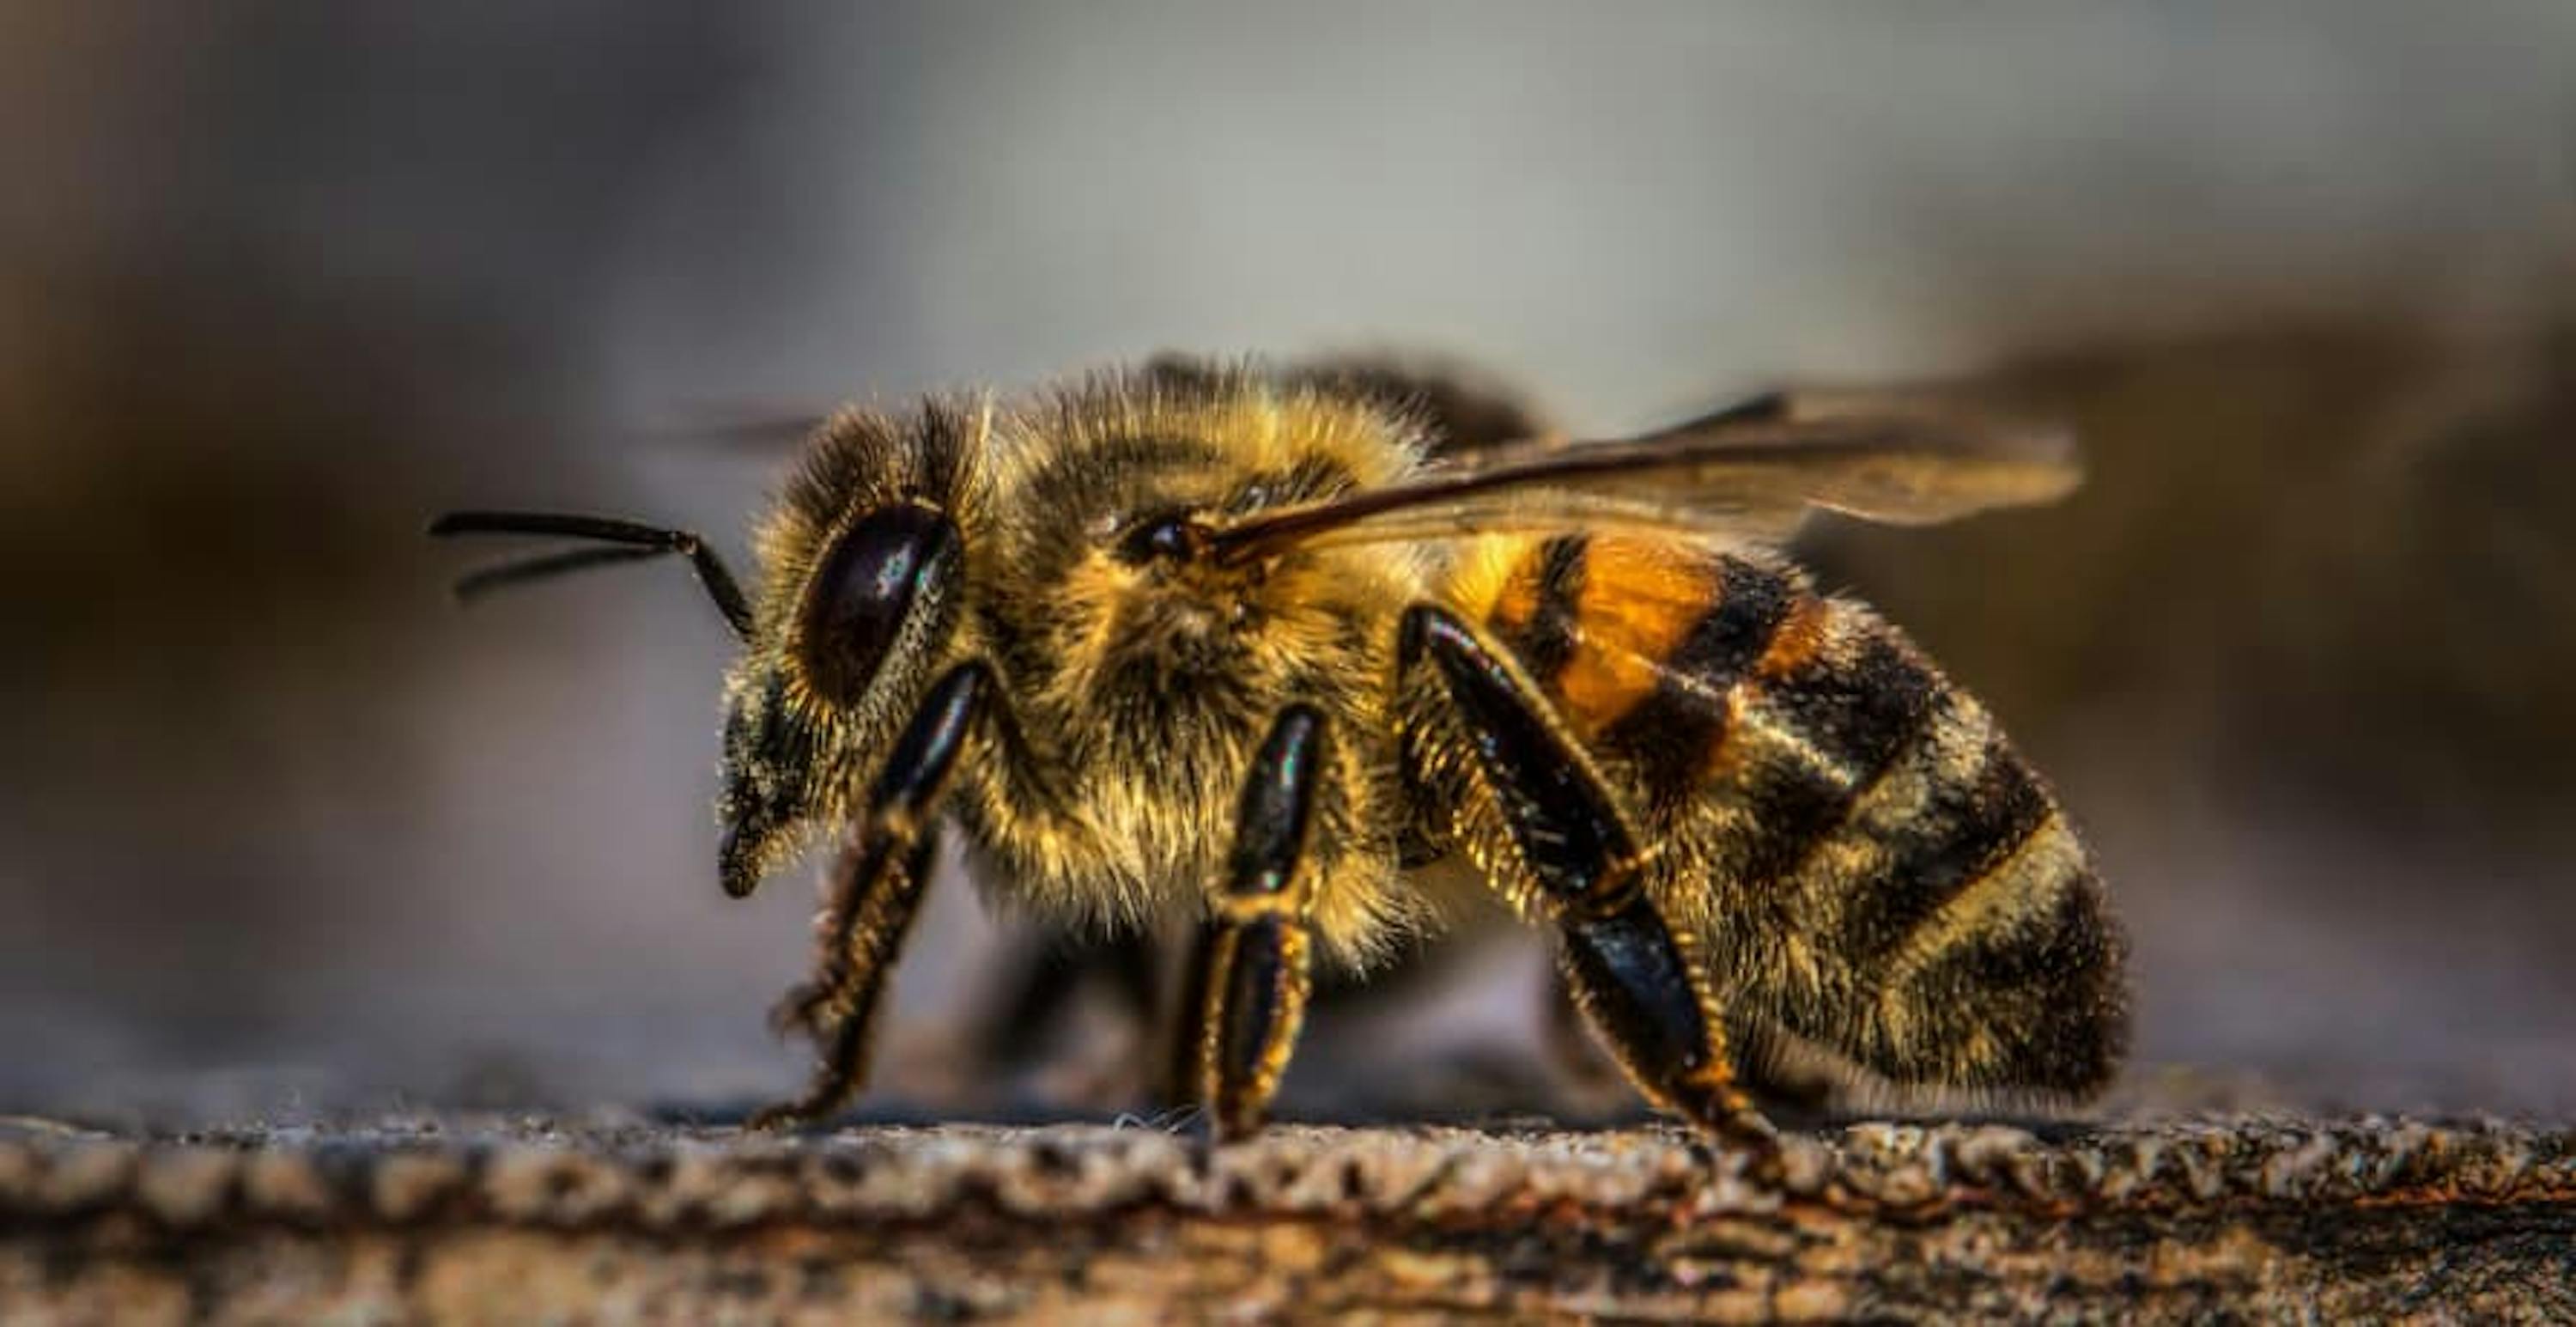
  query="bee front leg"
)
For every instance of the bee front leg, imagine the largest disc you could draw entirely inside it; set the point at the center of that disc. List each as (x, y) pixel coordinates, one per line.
(1250, 976)
(876, 887)
(1633, 974)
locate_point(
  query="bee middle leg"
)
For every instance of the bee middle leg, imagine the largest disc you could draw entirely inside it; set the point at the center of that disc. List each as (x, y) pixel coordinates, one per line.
(1047, 976)
(1250, 976)
(876, 888)
(1632, 973)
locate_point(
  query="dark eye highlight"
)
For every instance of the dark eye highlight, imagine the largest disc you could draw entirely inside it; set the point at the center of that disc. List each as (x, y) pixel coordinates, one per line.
(891, 564)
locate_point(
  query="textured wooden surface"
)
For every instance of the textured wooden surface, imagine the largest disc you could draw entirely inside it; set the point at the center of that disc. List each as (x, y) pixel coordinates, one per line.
(466, 1219)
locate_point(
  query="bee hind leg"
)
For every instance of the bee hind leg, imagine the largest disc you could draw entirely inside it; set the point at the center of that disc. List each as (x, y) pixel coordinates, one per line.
(1250, 975)
(1567, 1043)
(1633, 974)
(876, 888)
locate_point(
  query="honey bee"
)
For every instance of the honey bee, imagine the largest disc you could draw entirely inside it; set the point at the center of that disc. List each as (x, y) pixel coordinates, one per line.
(1259, 650)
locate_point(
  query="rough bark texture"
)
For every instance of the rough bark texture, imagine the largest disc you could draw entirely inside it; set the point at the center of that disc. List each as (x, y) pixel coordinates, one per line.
(456, 1219)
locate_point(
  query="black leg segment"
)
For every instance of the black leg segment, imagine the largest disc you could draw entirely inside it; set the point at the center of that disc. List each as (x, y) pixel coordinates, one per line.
(1626, 966)
(875, 891)
(1570, 834)
(1253, 965)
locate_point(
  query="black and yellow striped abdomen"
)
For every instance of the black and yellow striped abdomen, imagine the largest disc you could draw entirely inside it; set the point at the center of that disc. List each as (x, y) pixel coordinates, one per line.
(1875, 869)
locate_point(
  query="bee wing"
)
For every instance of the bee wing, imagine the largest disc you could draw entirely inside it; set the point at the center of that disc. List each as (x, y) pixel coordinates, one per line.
(748, 426)
(1745, 473)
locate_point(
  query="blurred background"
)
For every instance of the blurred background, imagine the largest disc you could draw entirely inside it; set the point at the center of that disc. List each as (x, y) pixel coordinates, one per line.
(283, 828)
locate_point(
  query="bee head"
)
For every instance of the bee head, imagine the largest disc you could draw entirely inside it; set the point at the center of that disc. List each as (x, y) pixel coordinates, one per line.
(862, 563)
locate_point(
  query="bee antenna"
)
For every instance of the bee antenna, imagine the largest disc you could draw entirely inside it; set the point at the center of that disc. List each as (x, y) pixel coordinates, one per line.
(476, 584)
(627, 541)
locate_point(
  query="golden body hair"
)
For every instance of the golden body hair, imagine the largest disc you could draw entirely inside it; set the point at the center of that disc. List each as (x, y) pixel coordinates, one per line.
(1848, 834)
(1275, 654)
(1140, 691)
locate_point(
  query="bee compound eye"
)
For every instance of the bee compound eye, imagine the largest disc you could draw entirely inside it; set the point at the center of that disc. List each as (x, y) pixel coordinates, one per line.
(889, 565)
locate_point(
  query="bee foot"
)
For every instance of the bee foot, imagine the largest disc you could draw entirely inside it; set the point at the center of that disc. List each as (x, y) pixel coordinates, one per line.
(783, 1115)
(800, 1012)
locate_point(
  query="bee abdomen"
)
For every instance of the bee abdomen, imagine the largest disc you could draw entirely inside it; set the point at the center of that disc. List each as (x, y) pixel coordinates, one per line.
(1720, 684)
(1933, 911)
(2021, 988)
(1951, 921)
